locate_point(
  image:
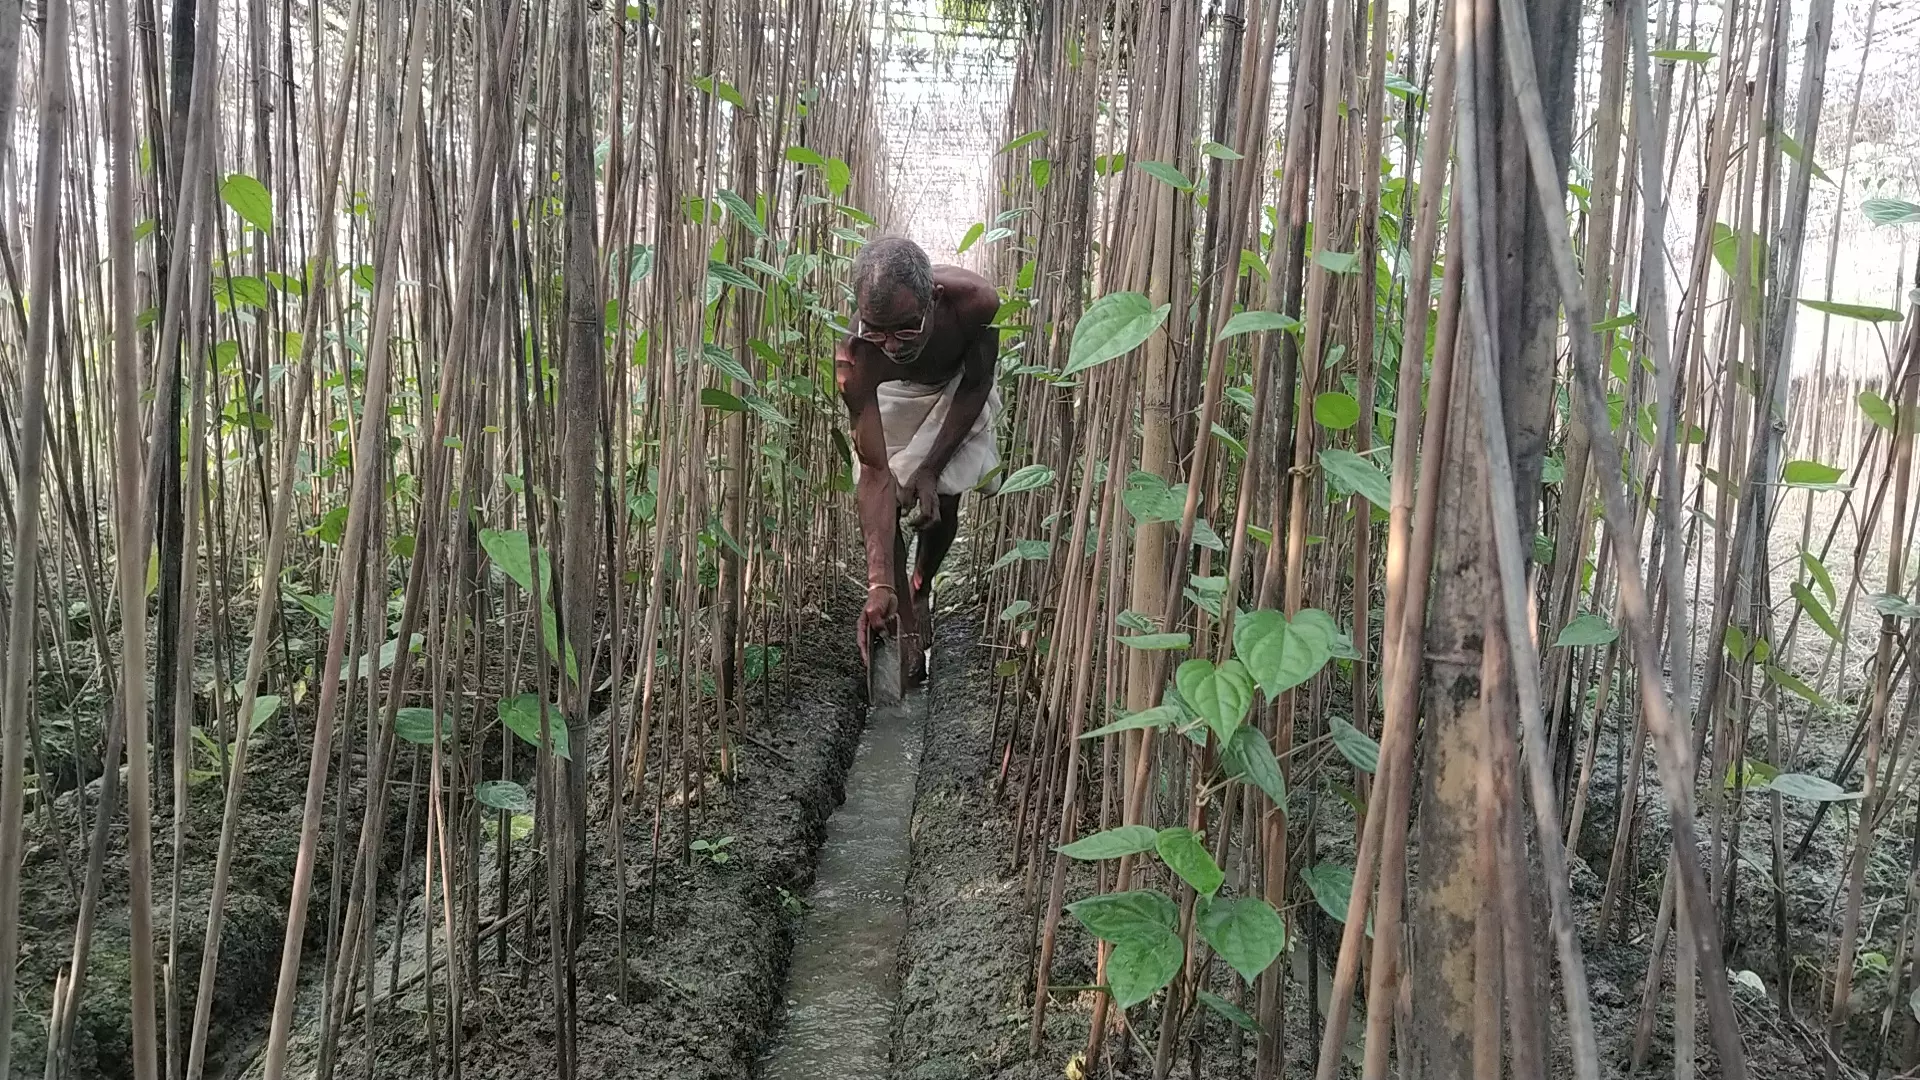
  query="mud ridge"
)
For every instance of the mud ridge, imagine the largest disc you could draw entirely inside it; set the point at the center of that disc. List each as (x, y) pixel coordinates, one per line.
(965, 976)
(704, 983)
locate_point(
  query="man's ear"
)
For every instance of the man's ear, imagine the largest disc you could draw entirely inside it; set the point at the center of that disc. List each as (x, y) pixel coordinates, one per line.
(939, 291)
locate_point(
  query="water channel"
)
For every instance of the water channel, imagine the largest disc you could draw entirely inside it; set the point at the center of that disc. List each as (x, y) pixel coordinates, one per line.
(843, 981)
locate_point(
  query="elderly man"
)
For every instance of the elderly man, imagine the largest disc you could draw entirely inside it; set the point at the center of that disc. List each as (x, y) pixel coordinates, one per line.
(917, 378)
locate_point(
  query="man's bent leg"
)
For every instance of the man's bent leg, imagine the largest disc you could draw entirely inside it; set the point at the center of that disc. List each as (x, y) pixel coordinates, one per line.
(928, 555)
(934, 545)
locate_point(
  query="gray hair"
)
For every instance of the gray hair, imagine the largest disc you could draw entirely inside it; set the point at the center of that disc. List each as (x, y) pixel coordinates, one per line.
(893, 262)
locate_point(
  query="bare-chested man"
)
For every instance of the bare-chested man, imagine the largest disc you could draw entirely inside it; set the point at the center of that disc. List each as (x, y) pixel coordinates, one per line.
(917, 378)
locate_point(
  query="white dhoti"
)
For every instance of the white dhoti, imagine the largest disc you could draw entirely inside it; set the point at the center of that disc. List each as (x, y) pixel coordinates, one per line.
(913, 414)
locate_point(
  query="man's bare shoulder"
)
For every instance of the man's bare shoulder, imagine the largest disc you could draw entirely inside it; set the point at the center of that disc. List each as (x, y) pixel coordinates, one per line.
(972, 297)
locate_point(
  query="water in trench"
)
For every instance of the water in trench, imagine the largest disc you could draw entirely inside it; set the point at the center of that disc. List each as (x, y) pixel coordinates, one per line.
(843, 981)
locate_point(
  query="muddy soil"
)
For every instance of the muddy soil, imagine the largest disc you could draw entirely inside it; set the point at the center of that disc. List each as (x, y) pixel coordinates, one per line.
(267, 844)
(966, 977)
(707, 942)
(966, 963)
(963, 963)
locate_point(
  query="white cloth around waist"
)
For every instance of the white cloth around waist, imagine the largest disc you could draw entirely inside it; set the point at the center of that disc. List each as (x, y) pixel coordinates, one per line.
(912, 415)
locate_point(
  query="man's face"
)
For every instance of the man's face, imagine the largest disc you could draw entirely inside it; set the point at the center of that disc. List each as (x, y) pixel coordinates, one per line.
(895, 322)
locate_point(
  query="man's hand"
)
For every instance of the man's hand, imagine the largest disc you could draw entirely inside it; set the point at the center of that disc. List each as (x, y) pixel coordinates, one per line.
(926, 497)
(881, 618)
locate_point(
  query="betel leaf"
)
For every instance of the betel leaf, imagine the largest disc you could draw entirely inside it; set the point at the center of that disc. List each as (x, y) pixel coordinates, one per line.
(1338, 262)
(239, 290)
(1039, 170)
(1887, 211)
(1220, 150)
(838, 175)
(1877, 409)
(1021, 140)
(384, 658)
(1898, 607)
(1234, 446)
(802, 155)
(1694, 56)
(1138, 969)
(250, 199)
(1238, 1016)
(1133, 915)
(1810, 474)
(1747, 773)
(1316, 619)
(1112, 844)
(1113, 325)
(1399, 87)
(722, 359)
(1811, 788)
(1157, 717)
(1336, 411)
(1028, 550)
(1355, 745)
(1029, 478)
(1252, 322)
(318, 605)
(503, 795)
(719, 271)
(1157, 642)
(1735, 640)
(1204, 535)
(1586, 629)
(1332, 887)
(1185, 853)
(1727, 245)
(264, 708)
(1791, 147)
(972, 234)
(1358, 475)
(1015, 610)
(508, 550)
(639, 262)
(1788, 680)
(1281, 654)
(1863, 312)
(741, 212)
(1149, 498)
(1249, 759)
(1221, 695)
(1815, 611)
(1248, 934)
(1817, 570)
(415, 725)
(715, 398)
(521, 715)
(1166, 174)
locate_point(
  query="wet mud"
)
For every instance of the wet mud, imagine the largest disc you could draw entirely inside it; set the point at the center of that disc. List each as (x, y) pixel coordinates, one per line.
(707, 942)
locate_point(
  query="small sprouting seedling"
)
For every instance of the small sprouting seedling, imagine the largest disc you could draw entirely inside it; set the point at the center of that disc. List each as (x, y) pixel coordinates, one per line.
(791, 902)
(714, 851)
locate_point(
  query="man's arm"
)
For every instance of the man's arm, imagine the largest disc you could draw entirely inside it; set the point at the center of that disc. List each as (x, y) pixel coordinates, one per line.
(875, 496)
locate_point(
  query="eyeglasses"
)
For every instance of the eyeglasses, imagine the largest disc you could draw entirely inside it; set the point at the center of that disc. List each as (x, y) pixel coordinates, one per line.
(879, 337)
